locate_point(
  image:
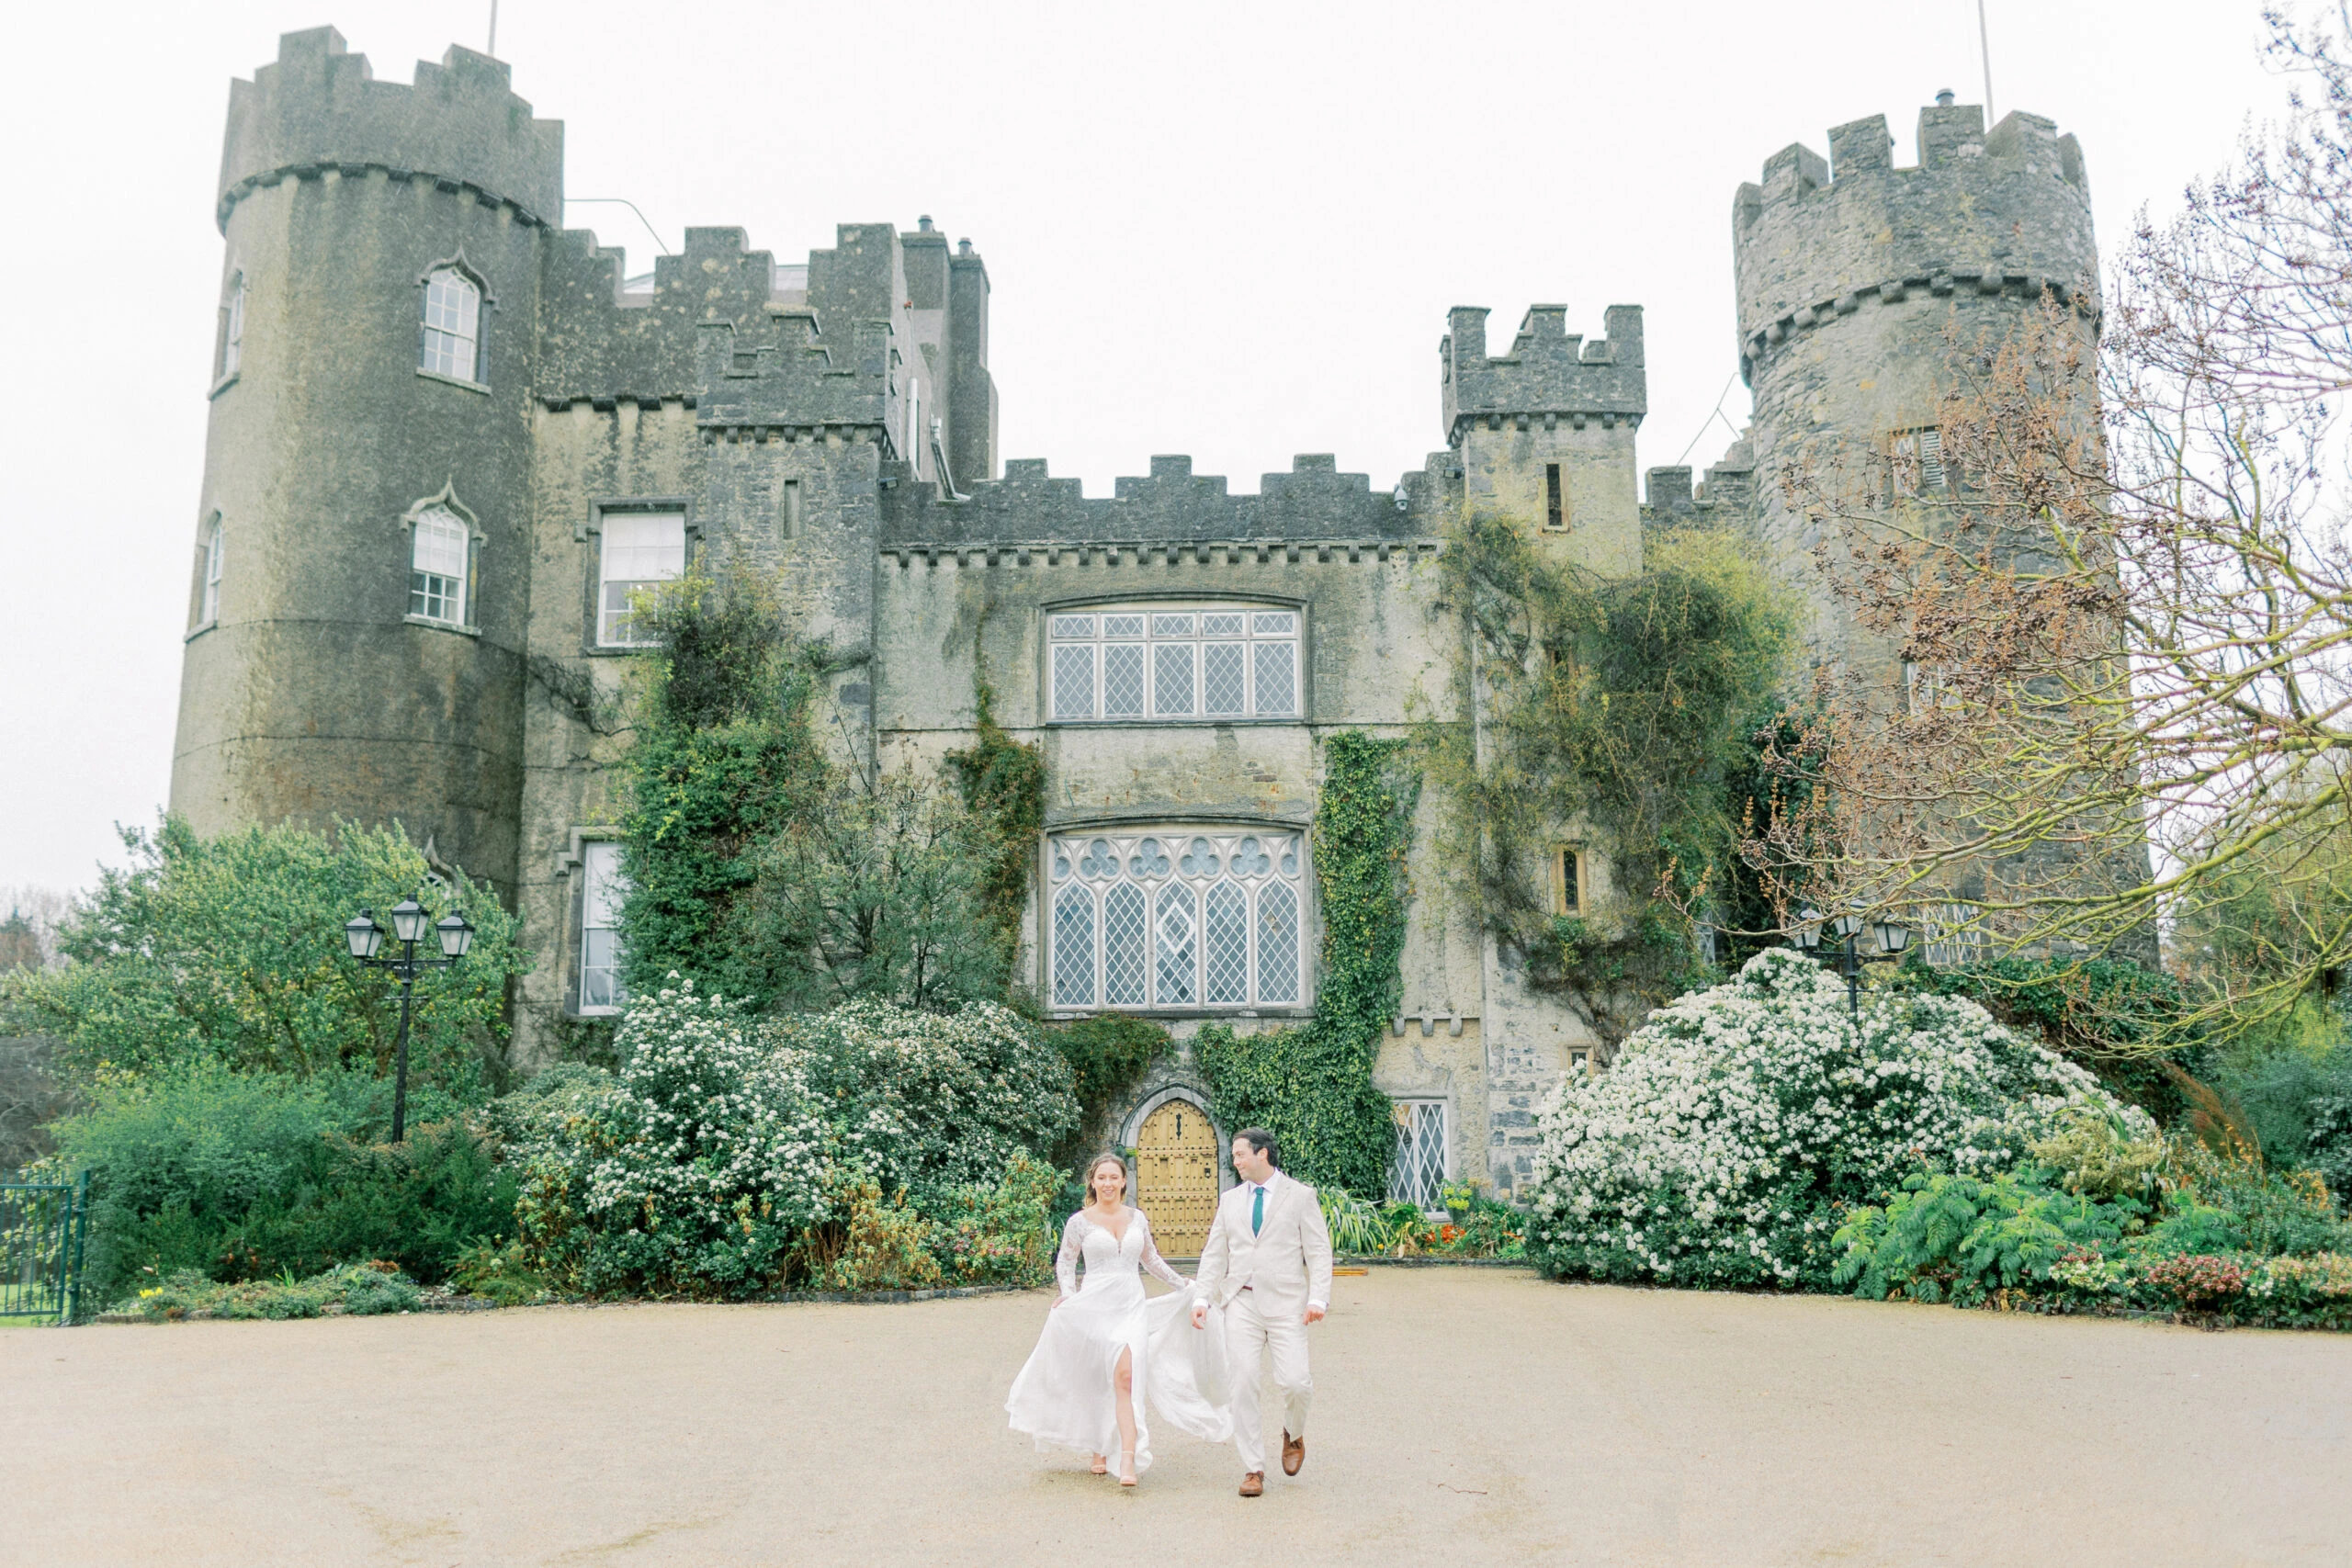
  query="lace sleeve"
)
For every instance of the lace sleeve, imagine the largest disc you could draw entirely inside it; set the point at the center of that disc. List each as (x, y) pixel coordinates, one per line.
(1159, 1266)
(1066, 1255)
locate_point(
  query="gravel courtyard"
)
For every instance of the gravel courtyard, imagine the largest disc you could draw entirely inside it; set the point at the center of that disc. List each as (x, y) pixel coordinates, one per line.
(1463, 1417)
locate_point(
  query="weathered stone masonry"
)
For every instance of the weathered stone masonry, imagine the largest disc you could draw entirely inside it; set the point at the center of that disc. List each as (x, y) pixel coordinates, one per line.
(836, 420)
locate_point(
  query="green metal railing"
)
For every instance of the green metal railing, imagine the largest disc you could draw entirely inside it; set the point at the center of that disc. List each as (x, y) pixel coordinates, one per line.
(41, 1232)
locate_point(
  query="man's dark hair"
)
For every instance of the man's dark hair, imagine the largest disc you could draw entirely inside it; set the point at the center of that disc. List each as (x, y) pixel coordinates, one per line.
(1264, 1143)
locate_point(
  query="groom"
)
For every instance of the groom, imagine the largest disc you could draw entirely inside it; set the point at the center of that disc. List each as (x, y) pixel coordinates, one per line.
(1268, 1263)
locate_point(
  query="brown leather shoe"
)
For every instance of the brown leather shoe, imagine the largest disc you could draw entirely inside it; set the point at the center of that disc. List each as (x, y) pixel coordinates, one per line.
(1254, 1484)
(1293, 1453)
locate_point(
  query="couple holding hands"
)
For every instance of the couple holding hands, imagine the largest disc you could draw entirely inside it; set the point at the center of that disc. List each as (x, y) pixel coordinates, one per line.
(1112, 1359)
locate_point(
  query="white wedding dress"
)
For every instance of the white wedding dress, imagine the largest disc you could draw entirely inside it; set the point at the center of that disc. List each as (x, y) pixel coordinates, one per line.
(1065, 1396)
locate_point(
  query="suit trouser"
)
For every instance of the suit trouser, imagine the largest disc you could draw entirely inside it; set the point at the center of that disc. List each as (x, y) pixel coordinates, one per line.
(1250, 1340)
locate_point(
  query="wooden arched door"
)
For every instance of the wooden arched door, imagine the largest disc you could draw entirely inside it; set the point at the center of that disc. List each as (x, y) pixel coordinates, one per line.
(1176, 1182)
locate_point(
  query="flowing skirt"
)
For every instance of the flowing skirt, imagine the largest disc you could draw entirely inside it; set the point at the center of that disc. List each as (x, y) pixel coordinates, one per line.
(1065, 1396)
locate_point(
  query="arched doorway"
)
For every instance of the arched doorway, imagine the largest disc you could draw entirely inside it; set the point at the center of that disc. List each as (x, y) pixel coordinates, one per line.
(1176, 1176)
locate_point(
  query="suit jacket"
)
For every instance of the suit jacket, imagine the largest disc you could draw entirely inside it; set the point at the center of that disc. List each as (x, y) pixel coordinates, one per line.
(1287, 1264)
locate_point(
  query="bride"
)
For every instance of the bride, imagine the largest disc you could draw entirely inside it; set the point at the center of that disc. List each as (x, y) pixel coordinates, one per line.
(1111, 1357)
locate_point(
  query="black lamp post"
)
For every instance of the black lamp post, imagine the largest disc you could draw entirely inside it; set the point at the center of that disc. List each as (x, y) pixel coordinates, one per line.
(1885, 938)
(364, 936)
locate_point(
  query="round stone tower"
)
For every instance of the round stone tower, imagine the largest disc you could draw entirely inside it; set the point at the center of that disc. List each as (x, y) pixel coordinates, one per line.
(380, 298)
(1850, 272)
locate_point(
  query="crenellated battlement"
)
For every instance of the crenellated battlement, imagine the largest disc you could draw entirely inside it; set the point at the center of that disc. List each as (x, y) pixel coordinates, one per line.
(2005, 212)
(1312, 505)
(1549, 374)
(459, 124)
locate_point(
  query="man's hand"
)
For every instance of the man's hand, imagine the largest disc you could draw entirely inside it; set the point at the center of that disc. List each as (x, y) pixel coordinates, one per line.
(1314, 1312)
(1199, 1314)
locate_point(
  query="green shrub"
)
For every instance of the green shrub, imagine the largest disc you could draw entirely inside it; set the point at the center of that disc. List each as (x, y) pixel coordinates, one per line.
(1733, 1129)
(928, 1102)
(693, 1173)
(1001, 1234)
(1957, 1238)
(872, 1244)
(360, 1290)
(244, 1175)
(499, 1273)
(2266, 1211)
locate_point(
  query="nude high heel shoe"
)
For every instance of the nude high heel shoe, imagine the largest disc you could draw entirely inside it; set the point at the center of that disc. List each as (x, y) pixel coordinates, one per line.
(1128, 1467)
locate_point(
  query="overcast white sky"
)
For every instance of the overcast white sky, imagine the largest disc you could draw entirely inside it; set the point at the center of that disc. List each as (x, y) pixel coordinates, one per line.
(1231, 231)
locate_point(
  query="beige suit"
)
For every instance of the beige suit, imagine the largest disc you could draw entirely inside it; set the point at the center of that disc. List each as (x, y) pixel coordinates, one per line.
(1266, 1279)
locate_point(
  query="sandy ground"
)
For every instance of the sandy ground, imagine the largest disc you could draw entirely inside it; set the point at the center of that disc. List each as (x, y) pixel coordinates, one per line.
(1468, 1417)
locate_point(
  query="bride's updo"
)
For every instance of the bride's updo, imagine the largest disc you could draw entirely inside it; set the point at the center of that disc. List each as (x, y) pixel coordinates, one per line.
(1106, 1158)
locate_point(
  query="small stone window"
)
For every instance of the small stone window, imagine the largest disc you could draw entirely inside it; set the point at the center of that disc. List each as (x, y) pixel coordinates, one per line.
(1158, 662)
(640, 548)
(1416, 1170)
(448, 340)
(232, 328)
(1918, 459)
(1178, 918)
(601, 893)
(439, 558)
(210, 551)
(1555, 512)
(1567, 880)
(1925, 690)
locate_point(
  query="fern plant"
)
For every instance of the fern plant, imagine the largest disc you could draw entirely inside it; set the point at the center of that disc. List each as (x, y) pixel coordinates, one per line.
(1959, 1237)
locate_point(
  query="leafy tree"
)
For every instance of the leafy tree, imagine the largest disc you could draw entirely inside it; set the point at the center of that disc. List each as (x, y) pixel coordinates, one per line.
(2129, 615)
(880, 891)
(231, 950)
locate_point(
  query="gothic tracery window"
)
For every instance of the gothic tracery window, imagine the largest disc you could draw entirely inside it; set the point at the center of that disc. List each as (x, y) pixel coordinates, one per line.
(1178, 918)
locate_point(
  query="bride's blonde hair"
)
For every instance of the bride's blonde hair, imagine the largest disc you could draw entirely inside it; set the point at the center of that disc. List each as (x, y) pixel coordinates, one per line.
(1097, 1163)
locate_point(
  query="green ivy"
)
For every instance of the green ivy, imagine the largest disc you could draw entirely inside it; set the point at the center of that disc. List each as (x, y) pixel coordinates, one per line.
(1621, 708)
(1003, 785)
(1312, 1086)
(724, 760)
(1108, 1055)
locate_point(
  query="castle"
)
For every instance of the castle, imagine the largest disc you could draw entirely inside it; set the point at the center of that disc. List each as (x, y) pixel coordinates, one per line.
(448, 437)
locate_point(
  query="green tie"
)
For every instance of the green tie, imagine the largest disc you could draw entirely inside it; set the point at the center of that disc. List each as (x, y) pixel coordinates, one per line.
(1257, 1211)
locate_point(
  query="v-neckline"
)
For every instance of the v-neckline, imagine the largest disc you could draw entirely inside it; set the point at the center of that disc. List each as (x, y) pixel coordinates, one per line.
(1120, 1237)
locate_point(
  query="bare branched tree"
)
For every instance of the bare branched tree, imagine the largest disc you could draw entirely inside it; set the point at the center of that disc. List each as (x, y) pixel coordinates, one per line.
(2123, 619)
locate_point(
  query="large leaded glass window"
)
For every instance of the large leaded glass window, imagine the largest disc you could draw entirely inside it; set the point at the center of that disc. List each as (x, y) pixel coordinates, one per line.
(1158, 662)
(1204, 919)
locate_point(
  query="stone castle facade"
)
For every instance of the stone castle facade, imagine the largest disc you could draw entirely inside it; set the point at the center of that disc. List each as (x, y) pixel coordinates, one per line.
(449, 434)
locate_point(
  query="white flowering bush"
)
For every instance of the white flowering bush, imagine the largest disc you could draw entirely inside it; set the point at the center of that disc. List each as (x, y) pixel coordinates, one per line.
(692, 1172)
(930, 1104)
(1738, 1124)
